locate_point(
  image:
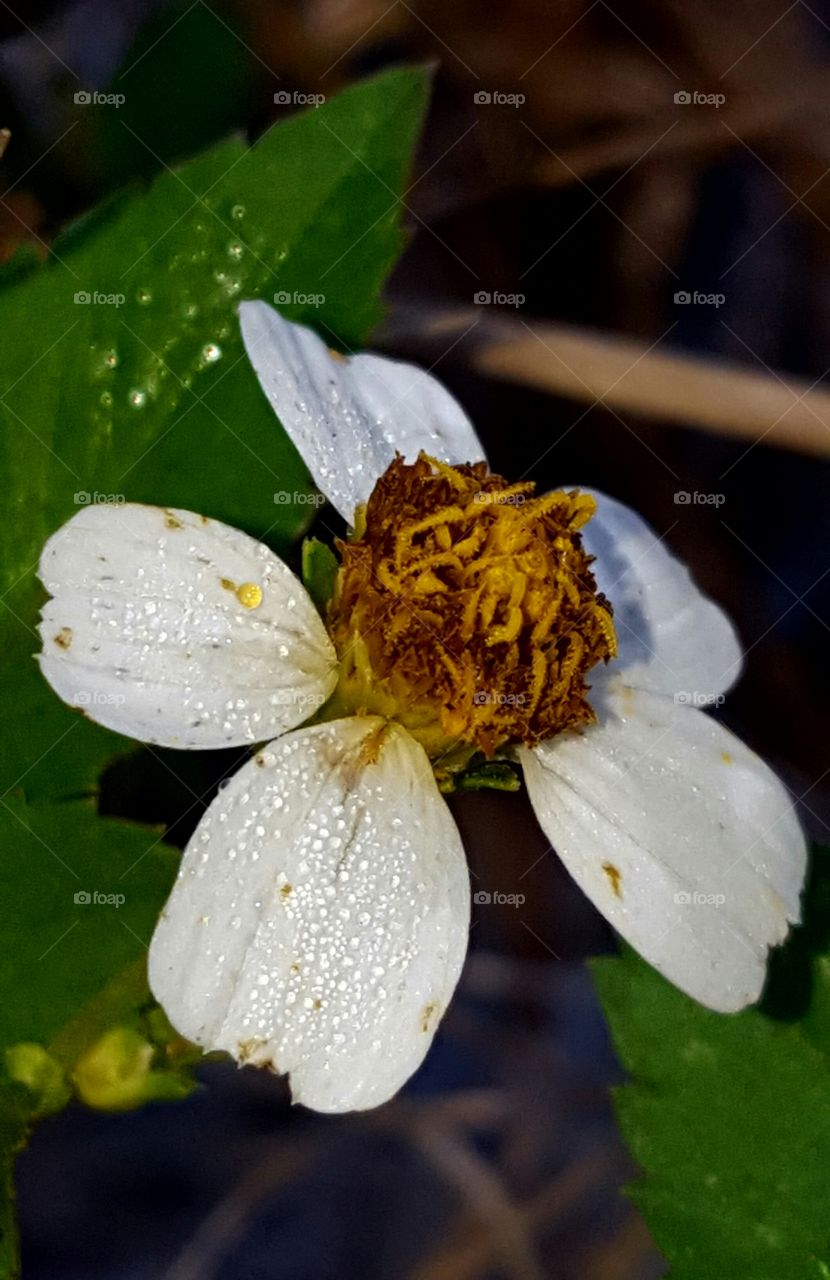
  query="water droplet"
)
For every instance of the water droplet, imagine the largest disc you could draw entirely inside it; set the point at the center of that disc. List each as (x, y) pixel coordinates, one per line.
(144, 296)
(211, 352)
(137, 398)
(235, 250)
(238, 212)
(111, 359)
(106, 399)
(190, 311)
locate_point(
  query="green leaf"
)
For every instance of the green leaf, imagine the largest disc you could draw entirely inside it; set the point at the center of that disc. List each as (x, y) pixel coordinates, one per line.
(152, 399)
(320, 566)
(145, 394)
(79, 898)
(15, 1118)
(729, 1118)
(148, 128)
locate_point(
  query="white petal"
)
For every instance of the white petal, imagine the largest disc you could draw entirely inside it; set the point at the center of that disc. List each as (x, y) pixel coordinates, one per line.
(146, 634)
(680, 835)
(672, 638)
(349, 416)
(320, 919)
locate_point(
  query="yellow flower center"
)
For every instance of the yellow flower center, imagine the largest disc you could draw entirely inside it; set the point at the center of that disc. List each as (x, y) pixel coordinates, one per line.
(465, 608)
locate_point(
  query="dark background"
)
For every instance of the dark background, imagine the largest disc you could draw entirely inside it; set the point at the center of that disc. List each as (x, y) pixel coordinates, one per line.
(597, 198)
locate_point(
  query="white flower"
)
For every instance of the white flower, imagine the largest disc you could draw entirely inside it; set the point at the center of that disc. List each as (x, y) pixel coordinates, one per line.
(319, 922)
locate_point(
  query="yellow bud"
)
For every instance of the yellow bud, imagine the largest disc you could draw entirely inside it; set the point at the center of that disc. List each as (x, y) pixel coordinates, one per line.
(32, 1065)
(116, 1073)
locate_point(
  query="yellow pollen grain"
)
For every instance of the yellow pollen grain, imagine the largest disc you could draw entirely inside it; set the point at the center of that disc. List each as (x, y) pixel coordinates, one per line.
(726, 757)
(249, 595)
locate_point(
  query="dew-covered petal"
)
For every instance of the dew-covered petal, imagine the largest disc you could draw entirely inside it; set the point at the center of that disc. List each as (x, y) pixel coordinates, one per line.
(672, 638)
(319, 922)
(679, 834)
(348, 416)
(179, 630)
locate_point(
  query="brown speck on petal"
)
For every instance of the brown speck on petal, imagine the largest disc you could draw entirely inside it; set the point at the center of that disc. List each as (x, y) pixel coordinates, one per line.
(64, 638)
(247, 1048)
(428, 1016)
(614, 876)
